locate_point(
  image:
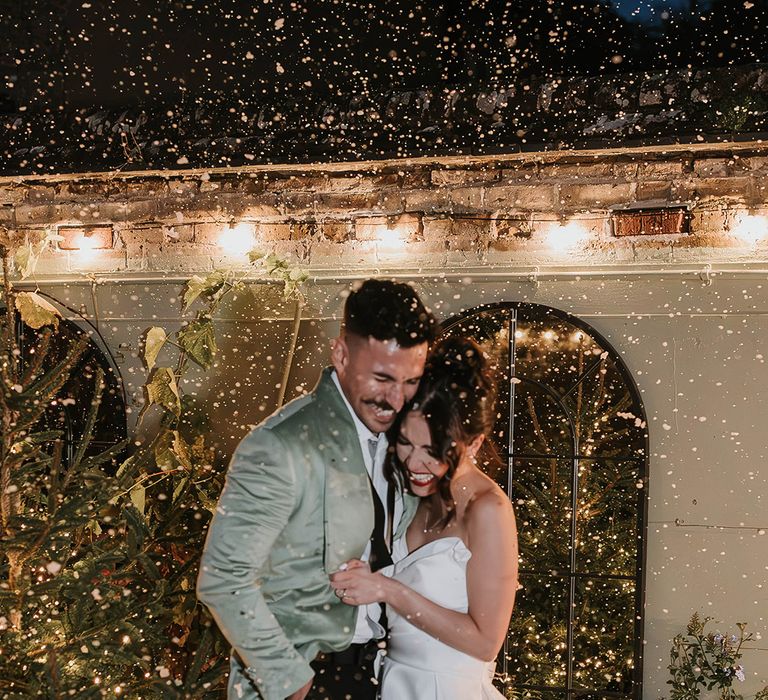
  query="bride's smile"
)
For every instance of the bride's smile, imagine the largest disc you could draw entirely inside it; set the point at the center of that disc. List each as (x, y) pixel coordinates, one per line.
(416, 452)
(421, 478)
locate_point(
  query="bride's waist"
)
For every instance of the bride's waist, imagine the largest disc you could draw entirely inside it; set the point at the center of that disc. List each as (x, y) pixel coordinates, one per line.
(429, 654)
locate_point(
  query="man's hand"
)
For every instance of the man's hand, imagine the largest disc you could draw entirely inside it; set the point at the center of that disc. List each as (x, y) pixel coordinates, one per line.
(302, 692)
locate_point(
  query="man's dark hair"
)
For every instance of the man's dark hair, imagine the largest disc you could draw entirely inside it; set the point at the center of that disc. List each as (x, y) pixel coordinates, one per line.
(388, 310)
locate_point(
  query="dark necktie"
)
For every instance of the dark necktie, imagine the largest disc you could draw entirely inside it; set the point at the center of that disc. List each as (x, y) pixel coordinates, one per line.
(380, 555)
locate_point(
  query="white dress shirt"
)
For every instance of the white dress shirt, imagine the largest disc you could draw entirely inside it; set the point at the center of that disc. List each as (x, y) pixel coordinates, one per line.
(367, 626)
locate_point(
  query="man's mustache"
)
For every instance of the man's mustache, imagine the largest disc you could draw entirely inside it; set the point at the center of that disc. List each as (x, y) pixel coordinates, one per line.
(383, 405)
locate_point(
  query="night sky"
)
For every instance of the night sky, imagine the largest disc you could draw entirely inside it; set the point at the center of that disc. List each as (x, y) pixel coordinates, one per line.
(61, 54)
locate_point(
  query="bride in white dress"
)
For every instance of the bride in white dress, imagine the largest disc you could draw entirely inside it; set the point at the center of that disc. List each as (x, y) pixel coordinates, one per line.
(452, 588)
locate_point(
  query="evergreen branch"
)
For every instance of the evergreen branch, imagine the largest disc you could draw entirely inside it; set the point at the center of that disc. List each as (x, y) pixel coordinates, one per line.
(105, 456)
(53, 675)
(41, 353)
(603, 491)
(203, 650)
(536, 425)
(31, 551)
(90, 421)
(35, 399)
(175, 512)
(56, 377)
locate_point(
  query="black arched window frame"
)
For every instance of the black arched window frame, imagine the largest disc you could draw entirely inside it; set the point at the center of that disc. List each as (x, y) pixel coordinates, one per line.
(512, 311)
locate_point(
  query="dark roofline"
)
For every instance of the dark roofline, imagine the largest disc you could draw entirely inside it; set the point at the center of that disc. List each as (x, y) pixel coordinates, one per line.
(649, 109)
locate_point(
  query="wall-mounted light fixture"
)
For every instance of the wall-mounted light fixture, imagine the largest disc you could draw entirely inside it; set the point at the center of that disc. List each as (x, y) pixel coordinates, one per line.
(566, 236)
(750, 229)
(85, 238)
(391, 238)
(390, 233)
(237, 239)
(85, 241)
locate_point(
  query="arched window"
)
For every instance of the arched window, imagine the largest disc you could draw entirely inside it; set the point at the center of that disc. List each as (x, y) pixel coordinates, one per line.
(572, 434)
(70, 412)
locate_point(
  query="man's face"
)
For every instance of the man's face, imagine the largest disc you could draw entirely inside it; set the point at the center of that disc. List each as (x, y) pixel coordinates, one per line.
(377, 376)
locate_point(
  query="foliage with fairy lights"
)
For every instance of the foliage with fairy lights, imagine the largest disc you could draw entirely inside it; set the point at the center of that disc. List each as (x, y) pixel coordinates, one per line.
(99, 553)
(573, 417)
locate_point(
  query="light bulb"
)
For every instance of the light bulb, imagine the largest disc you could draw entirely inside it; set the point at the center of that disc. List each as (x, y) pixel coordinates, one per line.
(751, 229)
(237, 240)
(566, 237)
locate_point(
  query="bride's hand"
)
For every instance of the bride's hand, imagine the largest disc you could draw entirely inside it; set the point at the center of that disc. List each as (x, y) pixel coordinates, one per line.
(354, 564)
(357, 585)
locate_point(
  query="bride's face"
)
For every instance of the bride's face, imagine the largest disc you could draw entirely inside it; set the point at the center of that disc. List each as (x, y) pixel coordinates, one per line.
(415, 451)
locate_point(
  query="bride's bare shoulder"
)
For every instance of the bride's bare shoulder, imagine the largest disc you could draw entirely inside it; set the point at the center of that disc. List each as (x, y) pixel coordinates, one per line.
(489, 504)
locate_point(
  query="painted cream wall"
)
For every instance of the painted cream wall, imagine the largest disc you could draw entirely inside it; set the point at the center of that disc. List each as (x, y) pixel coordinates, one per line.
(697, 353)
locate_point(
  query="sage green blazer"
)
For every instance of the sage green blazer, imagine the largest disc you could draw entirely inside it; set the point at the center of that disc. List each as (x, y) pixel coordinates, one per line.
(296, 504)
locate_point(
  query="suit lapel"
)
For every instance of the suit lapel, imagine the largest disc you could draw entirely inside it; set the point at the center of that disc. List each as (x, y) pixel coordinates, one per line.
(348, 504)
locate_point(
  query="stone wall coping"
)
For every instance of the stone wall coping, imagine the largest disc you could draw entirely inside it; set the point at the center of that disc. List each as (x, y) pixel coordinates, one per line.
(581, 156)
(530, 273)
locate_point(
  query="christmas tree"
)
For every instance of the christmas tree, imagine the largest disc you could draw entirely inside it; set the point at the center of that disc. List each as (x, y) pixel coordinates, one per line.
(99, 551)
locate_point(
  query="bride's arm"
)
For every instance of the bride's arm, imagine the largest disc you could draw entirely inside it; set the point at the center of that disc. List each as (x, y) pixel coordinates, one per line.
(491, 585)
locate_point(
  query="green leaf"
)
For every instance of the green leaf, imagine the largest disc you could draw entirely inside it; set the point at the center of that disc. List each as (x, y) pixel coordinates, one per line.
(156, 337)
(199, 285)
(296, 274)
(94, 527)
(254, 255)
(195, 286)
(198, 340)
(25, 260)
(162, 389)
(27, 255)
(180, 488)
(275, 264)
(181, 450)
(291, 277)
(138, 497)
(35, 311)
(171, 452)
(208, 502)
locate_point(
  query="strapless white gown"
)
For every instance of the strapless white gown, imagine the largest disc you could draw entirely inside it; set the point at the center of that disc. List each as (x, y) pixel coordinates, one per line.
(418, 666)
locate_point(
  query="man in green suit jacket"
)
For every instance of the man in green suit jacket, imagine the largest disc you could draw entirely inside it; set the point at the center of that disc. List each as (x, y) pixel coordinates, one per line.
(302, 497)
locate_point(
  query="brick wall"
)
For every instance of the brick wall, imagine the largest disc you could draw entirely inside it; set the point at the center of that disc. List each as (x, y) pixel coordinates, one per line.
(491, 212)
(695, 350)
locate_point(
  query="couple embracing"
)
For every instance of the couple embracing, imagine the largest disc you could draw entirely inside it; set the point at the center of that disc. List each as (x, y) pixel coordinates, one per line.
(356, 518)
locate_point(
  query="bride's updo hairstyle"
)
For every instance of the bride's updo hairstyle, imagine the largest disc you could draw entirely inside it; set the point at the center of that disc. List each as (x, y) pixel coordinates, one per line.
(456, 396)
